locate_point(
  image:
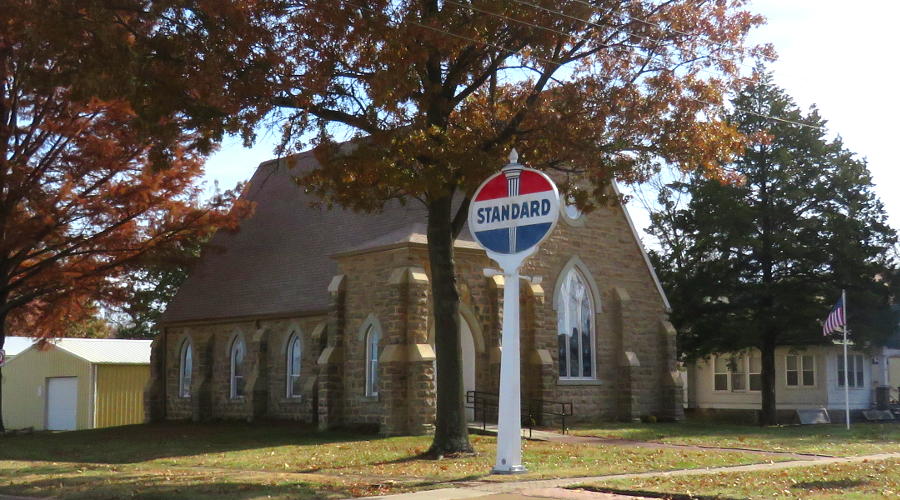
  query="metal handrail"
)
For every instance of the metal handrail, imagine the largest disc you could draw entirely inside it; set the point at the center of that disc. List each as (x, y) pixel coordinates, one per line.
(480, 400)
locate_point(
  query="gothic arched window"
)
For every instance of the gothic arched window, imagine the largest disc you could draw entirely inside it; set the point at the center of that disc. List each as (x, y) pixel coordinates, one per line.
(575, 316)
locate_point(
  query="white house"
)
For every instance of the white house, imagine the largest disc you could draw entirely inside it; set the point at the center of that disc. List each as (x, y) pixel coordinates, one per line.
(806, 378)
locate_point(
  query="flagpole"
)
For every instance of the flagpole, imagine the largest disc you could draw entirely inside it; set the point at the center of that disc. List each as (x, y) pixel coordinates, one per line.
(846, 366)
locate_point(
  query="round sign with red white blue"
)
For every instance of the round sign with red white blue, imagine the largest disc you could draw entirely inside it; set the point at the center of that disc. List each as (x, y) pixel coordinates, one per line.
(514, 210)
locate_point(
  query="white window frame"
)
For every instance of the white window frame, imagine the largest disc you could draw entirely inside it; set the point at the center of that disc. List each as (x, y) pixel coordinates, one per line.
(185, 369)
(372, 340)
(742, 363)
(751, 373)
(857, 362)
(740, 373)
(801, 368)
(237, 345)
(293, 372)
(717, 373)
(564, 324)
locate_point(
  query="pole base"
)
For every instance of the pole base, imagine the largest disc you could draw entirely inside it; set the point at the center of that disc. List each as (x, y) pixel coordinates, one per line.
(513, 469)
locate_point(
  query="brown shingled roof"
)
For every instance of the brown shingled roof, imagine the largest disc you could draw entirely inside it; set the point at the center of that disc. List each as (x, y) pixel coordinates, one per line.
(279, 261)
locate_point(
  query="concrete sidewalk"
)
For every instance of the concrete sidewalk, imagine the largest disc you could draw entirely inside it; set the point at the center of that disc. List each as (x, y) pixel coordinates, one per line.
(555, 488)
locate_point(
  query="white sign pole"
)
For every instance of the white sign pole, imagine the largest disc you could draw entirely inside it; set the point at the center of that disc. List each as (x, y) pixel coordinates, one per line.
(509, 418)
(510, 227)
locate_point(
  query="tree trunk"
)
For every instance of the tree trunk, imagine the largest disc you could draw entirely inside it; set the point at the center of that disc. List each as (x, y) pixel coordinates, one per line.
(767, 415)
(450, 431)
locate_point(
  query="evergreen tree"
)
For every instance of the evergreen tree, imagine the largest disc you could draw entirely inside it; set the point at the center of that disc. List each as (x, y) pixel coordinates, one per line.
(760, 261)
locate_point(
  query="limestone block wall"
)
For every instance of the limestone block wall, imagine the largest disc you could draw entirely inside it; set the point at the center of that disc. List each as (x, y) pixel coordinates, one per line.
(389, 288)
(369, 300)
(278, 333)
(602, 246)
(265, 369)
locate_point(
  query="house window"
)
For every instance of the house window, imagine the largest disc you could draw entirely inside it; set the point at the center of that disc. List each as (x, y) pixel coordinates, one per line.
(373, 336)
(800, 370)
(576, 328)
(738, 366)
(186, 370)
(238, 352)
(855, 377)
(721, 373)
(294, 354)
(736, 372)
(755, 376)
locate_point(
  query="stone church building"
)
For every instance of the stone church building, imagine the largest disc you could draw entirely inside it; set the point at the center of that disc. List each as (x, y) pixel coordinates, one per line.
(324, 316)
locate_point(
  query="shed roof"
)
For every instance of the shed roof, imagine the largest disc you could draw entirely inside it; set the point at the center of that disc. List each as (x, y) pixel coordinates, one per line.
(107, 351)
(15, 345)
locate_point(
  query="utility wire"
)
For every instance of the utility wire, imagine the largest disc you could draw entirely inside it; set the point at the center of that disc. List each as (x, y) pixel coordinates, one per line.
(548, 61)
(526, 23)
(601, 24)
(649, 23)
(574, 37)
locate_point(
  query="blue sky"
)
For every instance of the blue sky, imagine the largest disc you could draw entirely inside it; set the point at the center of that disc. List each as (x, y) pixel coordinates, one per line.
(839, 55)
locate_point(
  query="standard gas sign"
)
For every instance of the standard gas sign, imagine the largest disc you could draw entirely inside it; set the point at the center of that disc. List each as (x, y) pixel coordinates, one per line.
(514, 210)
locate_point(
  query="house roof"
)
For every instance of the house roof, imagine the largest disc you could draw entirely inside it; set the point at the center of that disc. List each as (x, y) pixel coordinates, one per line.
(280, 260)
(15, 345)
(107, 351)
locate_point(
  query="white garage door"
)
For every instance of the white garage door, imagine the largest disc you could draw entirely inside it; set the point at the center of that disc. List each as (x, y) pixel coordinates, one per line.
(62, 402)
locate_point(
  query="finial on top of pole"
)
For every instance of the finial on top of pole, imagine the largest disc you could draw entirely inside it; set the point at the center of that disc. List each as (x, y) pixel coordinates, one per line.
(512, 169)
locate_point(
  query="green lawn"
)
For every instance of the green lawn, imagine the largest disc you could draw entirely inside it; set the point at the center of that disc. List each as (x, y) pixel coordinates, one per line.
(861, 480)
(282, 460)
(834, 439)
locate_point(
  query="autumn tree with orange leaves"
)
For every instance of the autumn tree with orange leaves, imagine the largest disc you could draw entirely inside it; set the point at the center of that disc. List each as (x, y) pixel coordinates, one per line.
(434, 93)
(100, 151)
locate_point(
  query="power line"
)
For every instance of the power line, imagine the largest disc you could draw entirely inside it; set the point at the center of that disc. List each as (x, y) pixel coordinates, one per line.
(642, 37)
(482, 42)
(548, 61)
(651, 56)
(508, 18)
(648, 23)
(495, 14)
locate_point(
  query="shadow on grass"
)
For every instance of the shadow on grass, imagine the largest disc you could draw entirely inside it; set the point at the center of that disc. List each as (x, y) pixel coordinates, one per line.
(115, 485)
(835, 484)
(651, 494)
(139, 443)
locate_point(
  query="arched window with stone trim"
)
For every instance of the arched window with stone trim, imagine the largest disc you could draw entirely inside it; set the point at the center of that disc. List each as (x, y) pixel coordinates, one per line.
(186, 368)
(294, 359)
(238, 370)
(372, 338)
(575, 315)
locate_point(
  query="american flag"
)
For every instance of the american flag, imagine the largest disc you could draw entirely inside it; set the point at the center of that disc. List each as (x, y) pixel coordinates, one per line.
(835, 318)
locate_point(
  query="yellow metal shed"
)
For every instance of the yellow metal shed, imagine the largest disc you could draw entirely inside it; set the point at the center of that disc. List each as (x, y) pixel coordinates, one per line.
(68, 384)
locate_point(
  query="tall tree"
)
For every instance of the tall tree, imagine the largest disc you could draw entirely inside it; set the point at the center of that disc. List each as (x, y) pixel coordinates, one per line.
(434, 93)
(98, 156)
(154, 279)
(759, 262)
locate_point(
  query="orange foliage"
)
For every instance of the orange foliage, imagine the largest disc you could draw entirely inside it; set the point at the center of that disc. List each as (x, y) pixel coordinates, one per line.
(442, 90)
(87, 184)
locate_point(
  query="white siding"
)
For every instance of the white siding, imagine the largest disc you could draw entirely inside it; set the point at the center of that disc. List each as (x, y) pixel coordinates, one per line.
(861, 398)
(701, 391)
